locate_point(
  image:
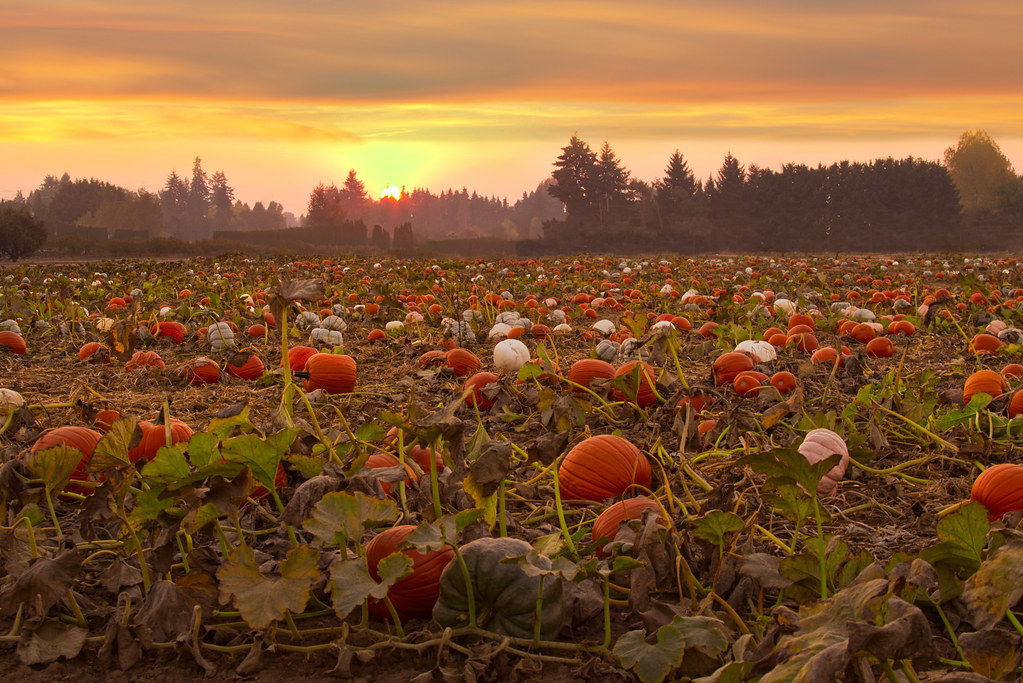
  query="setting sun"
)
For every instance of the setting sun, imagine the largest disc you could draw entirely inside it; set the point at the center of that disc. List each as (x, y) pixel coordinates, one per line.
(392, 192)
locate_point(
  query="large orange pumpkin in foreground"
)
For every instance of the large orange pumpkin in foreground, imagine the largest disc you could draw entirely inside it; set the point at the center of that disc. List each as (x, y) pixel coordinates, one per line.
(154, 436)
(986, 381)
(602, 467)
(82, 438)
(999, 489)
(582, 371)
(414, 595)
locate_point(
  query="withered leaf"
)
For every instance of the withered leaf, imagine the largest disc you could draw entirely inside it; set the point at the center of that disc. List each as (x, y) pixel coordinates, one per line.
(48, 578)
(263, 599)
(49, 642)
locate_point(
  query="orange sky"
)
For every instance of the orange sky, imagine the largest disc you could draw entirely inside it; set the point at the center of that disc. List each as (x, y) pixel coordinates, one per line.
(484, 94)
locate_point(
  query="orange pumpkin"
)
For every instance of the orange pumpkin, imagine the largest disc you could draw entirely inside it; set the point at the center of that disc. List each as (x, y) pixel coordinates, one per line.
(413, 596)
(605, 527)
(154, 436)
(175, 330)
(602, 467)
(462, 362)
(94, 352)
(985, 343)
(804, 341)
(903, 327)
(784, 381)
(202, 371)
(81, 438)
(986, 381)
(999, 489)
(646, 394)
(247, 366)
(256, 331)
(104, 418)
(475, 386)
(880, 347)
(748, 383)
(862, 333)
(331, 372)
(801, 319)
(298, 355)
(1015, 407)
(587, 369)
(727, 367)
(144, 359)
(381, 460)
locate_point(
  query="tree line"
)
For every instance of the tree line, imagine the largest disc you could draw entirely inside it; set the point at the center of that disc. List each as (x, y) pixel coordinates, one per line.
(884, 205)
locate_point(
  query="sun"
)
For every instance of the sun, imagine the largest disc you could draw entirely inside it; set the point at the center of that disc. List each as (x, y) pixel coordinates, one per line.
(392, 192)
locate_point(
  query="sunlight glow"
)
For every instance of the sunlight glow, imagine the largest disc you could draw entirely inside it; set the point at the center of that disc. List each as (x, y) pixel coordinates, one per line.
(392, 192)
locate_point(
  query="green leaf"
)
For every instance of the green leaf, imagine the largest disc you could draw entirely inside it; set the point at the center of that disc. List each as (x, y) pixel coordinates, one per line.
(955, 417)
(222, 427)
(261, 456)
(198, 517)
(263, 599)
(370, 431)
(351, 584)
(792, 502)
(996, 586)
(706, 634)
(789, 466)
(530, 371)
(966, 530)
(54, 465)
(715, 525)
(148, 506)
(652, 663)
(341, 516)
(202, 449)
(112, 449)
(435, 535)
(169, 466)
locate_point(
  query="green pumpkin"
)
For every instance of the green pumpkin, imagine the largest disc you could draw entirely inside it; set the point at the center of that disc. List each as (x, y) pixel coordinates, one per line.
(505, 595)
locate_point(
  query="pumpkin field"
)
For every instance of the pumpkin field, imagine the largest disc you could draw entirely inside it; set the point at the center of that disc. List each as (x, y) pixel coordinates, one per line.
(592, 468)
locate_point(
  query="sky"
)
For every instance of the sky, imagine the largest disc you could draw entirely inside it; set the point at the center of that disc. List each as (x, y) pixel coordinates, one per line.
(483, 95)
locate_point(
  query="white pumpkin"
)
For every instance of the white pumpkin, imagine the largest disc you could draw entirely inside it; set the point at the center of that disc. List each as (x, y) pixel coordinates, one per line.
(10, 401)
(759, 351)
(818, 445)
(510, 355)
(603, 327)
(325, 337)
(220, 336)
(499, 331)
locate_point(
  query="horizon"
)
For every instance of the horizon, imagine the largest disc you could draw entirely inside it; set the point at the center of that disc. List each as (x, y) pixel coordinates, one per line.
(485, 97)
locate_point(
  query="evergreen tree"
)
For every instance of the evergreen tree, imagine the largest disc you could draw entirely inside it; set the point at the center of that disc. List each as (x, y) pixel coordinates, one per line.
(21, 234)
(613, 193)
(197, 204)
(174, 201)
(574, 180)
(221, 202)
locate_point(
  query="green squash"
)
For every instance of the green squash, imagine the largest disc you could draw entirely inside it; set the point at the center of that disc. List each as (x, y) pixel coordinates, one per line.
(505, 595)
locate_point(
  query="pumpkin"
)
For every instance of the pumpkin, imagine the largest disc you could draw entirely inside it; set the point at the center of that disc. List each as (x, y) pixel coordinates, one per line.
(804, 341)
(431, 358)
(583, 371)
(727, 367)
(1000, 489)
(986, 381)
(154, 436)
(175, 330)
(759, 351)
(708, 330)
(298, 356)
(376, 334)
(414, 596)
(325, 337)
(862, 333)
(818, 445)
(94, 352)
(509, 355)
(144, 359)
(1015, 407)
(220, 336)
(333, 373)
(801, 319)
(748, 383)
(245, 365)
(475, 385)
(381, 460)
(464, 362)
(784, 381)
(540, 331)
(698, 400)
(80, 438)
(421, 456)
(770, 332)
(903, 327)
(202, 371)
(605, 527)
(646, 394)
(602, 467)
(985, 343)
(256, 331)
(10, 401)
(1012, 371)
(880, 347)
(505, 595)
(13, 341)
(104, 418)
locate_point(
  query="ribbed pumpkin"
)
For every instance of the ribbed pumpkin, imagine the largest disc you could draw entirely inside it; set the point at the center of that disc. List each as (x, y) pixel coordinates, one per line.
(727, 367)
(154, 437)
(104, 418)
(412, 597)
(202, 371)
(646, 394)
(605, 527)
(94, 352)
(986, 381)
(245, 365)
(1000, 489)
(462, 362)
(1015, 407)
(602, 467)
(82, 438)
(299, 355)
(13, 341)
(818, 445)
(144, 359)
(582, 371)
(331, 372)
(475, 385)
